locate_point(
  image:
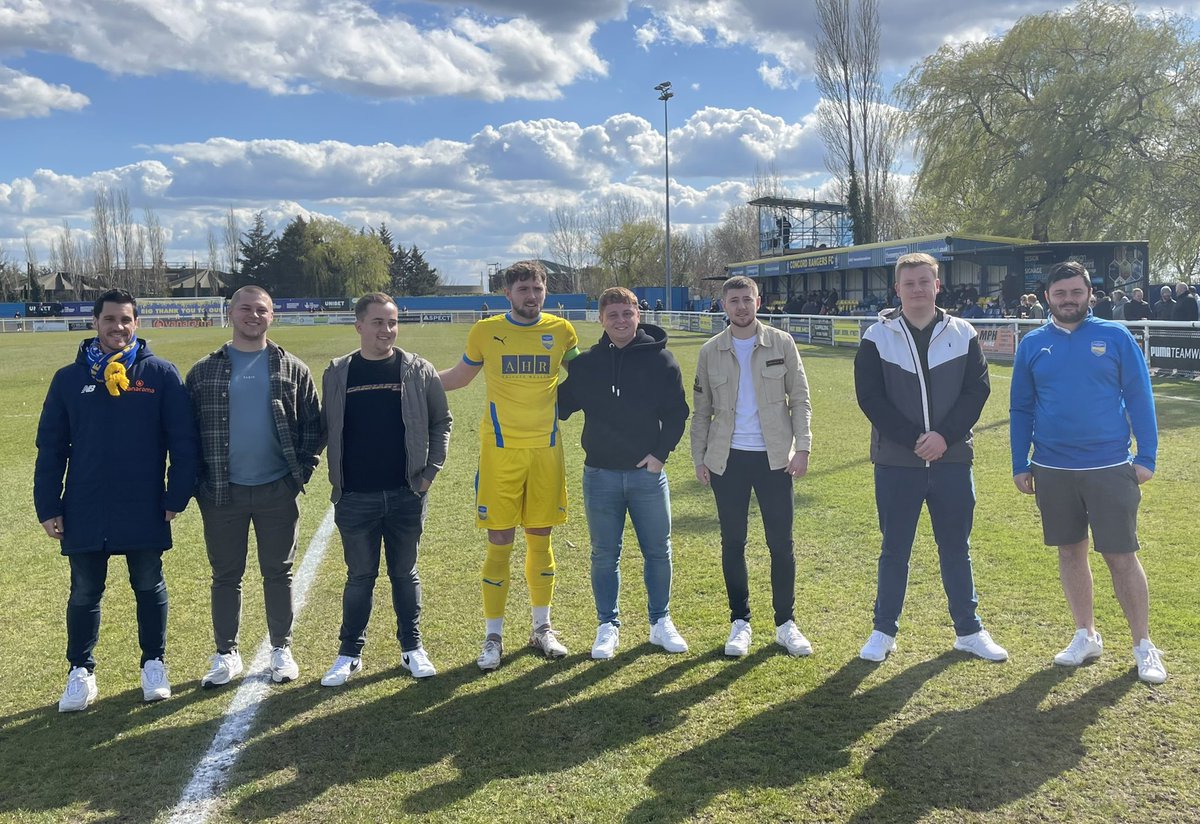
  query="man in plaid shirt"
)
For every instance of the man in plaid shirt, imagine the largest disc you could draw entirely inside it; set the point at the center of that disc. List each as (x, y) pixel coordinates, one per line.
(260, 435)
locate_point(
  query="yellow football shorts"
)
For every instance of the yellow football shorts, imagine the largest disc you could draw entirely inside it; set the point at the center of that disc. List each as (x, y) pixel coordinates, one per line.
(520, 487)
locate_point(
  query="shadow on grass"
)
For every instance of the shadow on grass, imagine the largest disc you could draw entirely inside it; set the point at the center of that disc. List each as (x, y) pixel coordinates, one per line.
(532, 725)
(784, 745)
(106, 758)
(980, 758)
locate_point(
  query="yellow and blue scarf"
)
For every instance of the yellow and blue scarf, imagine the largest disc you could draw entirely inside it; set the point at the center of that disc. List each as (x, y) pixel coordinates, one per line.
(109, 368)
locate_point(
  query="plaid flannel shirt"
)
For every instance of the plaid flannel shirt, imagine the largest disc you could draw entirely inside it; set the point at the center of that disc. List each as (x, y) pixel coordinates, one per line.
(294, 407)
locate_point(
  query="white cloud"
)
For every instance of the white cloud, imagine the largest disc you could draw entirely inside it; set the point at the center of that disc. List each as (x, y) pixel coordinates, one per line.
(485, 199)
(22, 95)
(299, 46)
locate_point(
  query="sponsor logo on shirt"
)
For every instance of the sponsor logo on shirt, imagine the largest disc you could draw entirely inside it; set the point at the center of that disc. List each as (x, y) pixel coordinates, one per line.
(526, 366)
(140, 386)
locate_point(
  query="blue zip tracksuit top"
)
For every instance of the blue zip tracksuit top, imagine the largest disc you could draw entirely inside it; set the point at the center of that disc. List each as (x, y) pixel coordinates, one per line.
(1076, 396)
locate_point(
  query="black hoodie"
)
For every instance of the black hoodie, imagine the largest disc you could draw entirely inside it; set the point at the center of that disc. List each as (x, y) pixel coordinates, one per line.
(632, 399)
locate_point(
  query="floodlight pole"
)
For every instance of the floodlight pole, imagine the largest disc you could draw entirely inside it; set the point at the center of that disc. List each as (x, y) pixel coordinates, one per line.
(665, 94)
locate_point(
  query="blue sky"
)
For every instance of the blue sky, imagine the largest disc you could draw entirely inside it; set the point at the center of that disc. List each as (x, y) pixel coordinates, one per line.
(459, 124)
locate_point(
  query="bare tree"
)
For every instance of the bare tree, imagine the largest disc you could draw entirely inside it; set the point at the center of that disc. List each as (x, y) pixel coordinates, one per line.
(214, 256)
(102, 247)
(156, 248)
(232, 240)
(856, 121)
(126, 235)
(570, 241)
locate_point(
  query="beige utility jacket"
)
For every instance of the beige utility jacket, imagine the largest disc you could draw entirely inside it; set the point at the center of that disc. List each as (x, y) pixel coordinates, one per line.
(784, 411)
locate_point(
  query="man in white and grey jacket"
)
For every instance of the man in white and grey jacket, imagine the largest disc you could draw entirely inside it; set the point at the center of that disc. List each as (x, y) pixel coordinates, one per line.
(922, 381)
(388, 428)
(750, 430)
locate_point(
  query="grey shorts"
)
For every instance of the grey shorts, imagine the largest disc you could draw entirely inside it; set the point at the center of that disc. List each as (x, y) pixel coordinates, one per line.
(1072, 499)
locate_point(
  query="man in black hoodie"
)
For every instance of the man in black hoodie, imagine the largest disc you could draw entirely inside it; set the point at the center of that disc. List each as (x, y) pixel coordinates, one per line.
(631, 392)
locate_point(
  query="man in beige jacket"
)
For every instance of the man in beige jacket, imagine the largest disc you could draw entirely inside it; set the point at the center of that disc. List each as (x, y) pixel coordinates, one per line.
(750, 430)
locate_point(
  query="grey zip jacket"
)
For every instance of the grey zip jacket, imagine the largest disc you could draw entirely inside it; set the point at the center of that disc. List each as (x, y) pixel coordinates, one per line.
(427, 418)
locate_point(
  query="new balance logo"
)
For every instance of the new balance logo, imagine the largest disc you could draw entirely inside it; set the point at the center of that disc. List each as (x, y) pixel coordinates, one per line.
(91, 387)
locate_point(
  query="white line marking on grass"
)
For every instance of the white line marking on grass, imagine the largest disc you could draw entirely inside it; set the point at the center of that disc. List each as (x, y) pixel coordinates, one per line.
(196, 803)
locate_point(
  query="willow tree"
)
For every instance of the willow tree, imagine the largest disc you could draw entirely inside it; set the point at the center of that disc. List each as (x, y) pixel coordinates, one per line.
(1060, 129)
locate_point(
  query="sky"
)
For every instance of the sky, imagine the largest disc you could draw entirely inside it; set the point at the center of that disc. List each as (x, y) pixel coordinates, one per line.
(460, 125)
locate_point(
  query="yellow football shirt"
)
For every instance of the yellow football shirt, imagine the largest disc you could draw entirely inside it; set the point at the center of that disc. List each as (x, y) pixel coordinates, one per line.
(521, 364)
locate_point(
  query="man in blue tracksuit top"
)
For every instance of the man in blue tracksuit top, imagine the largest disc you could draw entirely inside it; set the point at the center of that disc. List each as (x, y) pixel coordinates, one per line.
(922, 380)
(1079, 386)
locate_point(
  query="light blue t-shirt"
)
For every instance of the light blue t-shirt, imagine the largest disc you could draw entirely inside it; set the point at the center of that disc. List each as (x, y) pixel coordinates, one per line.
(255, 455)
(747, 429)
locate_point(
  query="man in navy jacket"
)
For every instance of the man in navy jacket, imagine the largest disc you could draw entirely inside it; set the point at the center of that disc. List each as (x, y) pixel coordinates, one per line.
(631, 392)
(109, 421)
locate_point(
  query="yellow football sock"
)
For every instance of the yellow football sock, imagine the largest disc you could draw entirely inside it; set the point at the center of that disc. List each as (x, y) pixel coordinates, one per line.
(495, 579)
(539, 569)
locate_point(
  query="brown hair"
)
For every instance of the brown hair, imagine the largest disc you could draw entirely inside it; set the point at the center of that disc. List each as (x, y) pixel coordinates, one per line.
(617, 294)
(915, 259)
(739, 282)
(360, 308)
(524, 270)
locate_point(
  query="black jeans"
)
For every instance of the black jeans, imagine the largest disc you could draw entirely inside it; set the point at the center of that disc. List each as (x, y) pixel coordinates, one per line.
(773, 489)
(89, 572)
(396, 518)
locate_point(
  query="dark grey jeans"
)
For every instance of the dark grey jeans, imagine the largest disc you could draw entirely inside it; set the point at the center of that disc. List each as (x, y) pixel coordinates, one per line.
(395, 518)
(273, 511)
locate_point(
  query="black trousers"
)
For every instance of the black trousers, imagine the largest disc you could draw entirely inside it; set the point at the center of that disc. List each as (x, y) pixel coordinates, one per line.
(746, 471)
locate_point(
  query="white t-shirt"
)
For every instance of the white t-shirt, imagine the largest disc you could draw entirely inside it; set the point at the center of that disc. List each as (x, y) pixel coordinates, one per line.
(747, 430)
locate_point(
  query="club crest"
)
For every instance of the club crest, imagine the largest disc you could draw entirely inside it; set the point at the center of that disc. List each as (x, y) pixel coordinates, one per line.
(548, 341)
(1099, 347)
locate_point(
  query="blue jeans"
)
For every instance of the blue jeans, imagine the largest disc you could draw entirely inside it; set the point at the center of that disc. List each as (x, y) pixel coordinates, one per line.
(395, 517)
(607, 495)
(89, 570)
(949, 492)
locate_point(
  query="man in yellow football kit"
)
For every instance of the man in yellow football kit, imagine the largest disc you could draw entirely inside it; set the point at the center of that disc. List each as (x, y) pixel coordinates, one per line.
(522, 477)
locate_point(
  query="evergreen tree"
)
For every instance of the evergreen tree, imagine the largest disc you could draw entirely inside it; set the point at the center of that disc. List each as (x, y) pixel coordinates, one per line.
(385, 237)
(293, 250)
(398, 271)
(256, 255)
(420, 277)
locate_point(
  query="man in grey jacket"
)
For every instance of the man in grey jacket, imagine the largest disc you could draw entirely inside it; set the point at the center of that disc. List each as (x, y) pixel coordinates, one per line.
(922, 380)
(388, 427)
(750, 431)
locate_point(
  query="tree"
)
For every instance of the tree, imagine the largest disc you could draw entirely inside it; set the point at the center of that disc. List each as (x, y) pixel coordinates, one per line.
(419, 278)
(341, 261)
(856, 122)
(292, 251)
(257, 254)
(398, 271)
(631, 254)
(230, 240)
(570, 241)
(1060, 129)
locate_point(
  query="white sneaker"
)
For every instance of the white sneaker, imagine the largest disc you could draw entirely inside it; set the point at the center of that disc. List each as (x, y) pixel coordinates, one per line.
(417, 662)
(224, 667)
(608, 636)
(80, 692)
(493, 648)
(789, 636)
(878, 646)
(344, 668)
(663, 634)
(155, 686)
(283, 666)
(1149, 662)
(545, 639)
(981, 644)
(1081, 648)
(739, 639)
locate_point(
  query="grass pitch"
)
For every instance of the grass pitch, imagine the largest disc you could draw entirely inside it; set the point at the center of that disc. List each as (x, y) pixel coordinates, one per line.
(930, 735)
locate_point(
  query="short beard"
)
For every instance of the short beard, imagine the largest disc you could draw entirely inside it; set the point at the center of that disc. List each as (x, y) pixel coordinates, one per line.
(1075, 317)
(525, 313)
(742, 325)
